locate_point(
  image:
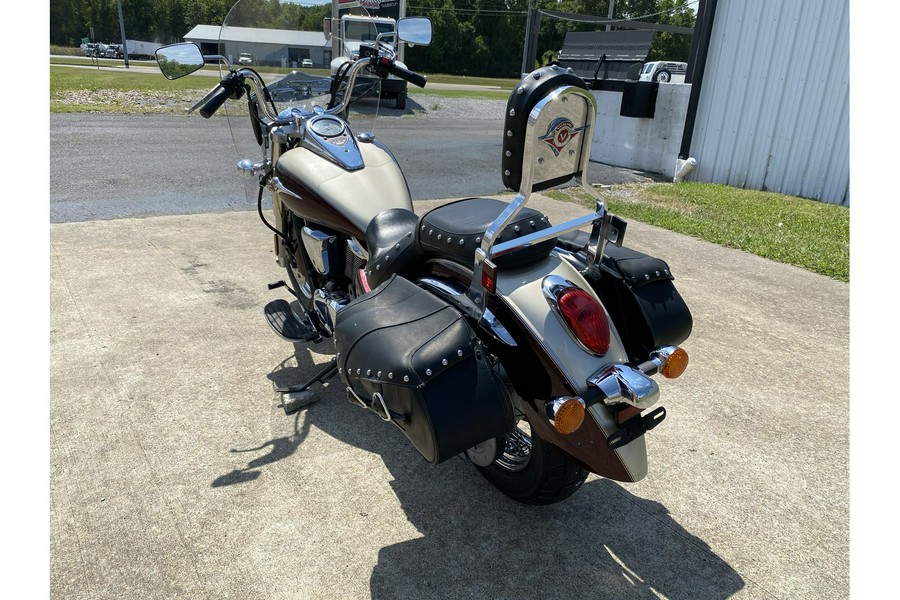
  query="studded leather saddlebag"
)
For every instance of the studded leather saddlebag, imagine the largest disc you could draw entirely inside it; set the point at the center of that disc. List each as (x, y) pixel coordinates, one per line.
(638, 293)
(412, 359)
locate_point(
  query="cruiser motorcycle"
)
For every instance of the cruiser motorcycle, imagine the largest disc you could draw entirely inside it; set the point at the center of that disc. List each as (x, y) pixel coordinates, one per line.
(478, 328)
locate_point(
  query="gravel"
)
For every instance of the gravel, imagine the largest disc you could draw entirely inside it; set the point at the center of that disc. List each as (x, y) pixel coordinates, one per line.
(418, 106)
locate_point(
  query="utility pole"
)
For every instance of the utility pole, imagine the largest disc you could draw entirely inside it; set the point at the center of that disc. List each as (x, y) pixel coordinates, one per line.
(122, 31)
(609, 15)
(525, 50)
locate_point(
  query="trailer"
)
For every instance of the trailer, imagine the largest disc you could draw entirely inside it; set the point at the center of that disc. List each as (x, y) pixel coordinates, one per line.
(138, 50)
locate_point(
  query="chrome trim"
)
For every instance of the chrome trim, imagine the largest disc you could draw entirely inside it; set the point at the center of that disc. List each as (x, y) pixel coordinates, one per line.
(661, 354)
(622, 384)
(488, 321)
(494, 327)
(387, 413)
(351, 395)
(357, 250)
(551, 407)
(320, 248)
(340, 149)
(278, 186)
(533, 135)
(327, 306)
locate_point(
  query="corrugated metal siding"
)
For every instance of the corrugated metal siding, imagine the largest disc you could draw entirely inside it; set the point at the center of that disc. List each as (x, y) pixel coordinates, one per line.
(774, 110)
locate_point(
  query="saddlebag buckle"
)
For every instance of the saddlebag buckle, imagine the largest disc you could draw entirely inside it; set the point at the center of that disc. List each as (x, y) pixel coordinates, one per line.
(635, 427)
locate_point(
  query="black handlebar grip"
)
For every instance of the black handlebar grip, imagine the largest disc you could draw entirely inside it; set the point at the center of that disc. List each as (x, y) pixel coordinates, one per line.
(413, 78)
(215, 102)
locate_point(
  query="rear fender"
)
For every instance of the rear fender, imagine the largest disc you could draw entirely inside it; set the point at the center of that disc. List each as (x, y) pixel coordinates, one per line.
(547, 362)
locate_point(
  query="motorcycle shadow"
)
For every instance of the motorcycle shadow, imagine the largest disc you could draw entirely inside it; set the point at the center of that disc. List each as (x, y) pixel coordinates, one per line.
(603, 542)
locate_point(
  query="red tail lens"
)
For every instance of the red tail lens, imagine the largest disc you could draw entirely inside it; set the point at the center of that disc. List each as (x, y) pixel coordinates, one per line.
(585, 318)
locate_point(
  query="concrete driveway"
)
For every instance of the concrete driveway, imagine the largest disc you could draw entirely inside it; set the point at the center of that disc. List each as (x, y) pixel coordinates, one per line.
(175, 473)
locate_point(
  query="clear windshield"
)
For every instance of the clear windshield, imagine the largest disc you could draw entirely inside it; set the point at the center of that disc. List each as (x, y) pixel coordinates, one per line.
(283, 41)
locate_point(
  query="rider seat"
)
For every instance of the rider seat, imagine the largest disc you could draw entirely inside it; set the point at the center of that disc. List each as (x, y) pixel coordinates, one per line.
(454, 231)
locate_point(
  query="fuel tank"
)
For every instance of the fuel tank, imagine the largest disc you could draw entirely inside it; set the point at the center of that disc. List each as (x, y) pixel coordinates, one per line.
(318, 189)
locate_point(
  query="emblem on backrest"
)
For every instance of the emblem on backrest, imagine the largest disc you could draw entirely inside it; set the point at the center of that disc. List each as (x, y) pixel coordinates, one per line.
(559, 134)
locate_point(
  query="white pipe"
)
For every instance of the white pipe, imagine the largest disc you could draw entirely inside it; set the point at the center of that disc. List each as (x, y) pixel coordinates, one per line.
(684, 169)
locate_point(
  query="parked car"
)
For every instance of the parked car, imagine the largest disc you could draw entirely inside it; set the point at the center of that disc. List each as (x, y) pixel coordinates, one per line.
(664, 71)
(307, 62)
(245, 59)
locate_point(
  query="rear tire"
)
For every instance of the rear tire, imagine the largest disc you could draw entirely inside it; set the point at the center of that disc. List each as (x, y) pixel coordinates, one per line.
(531, 471)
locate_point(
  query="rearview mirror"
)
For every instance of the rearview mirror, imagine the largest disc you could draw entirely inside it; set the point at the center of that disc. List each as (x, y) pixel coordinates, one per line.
(414, 30)
(179, 60)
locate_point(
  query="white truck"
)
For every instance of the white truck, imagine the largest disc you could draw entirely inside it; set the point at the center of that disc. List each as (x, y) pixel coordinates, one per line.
(353, 26)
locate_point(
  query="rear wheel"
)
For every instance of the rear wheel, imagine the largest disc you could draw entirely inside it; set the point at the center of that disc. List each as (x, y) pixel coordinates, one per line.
(530, 470)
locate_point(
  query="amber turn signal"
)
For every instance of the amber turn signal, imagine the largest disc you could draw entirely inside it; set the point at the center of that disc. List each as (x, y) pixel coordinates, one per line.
(566, 414)
(674, 364)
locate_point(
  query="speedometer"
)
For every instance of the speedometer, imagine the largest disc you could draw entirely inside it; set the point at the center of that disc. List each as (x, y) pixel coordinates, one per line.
(326, 126)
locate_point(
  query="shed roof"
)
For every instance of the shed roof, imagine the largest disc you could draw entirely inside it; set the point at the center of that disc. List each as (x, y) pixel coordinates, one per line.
(285, 37)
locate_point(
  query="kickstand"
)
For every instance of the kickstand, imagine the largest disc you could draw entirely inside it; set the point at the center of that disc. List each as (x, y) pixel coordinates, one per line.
(295, 397)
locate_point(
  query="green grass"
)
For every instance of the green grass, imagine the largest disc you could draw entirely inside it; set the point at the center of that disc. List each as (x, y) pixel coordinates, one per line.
(805, 233)
(65, 79)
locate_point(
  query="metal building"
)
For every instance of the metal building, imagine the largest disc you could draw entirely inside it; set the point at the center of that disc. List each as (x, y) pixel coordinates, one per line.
(271, 47)
(773, 112)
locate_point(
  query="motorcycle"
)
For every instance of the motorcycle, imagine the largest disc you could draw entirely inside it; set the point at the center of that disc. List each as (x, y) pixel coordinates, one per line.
(478, 328)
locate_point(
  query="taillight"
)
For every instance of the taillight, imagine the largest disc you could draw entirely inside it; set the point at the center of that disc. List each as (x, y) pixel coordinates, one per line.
(585, 318)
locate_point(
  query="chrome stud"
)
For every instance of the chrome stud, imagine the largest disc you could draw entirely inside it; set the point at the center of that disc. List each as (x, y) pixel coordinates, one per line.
(439, 236)
(462, 242)
(536, 75)
(506, 172)
(509, 133)
(368, 372)
(508, 153)
(516, 229)
(512, 112)
(445, 362)
(459, 352)
(406, 378)
(390, 375)
(378, 375)
(520, 90)
(428, 372)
